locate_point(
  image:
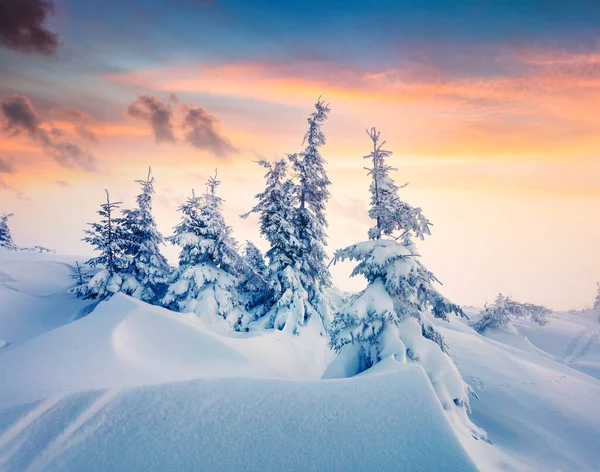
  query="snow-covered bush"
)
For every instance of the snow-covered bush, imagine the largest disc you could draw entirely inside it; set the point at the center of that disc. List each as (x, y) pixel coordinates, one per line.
(499, 314)
(6, 240)
(148, 269)
(206, 280)
(393, 315)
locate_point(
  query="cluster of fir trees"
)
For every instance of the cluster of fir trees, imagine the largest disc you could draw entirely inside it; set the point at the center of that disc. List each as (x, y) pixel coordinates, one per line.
(287, 290)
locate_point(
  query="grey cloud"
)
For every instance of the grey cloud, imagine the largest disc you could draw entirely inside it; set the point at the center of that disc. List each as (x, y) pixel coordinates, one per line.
(22, 26)
(85, 133)
(6, 167)
(201, 132)
(157, 113)
(21, 118)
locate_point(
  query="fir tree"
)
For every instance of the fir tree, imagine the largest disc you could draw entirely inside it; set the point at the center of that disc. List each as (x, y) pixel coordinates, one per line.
(597, 301)
(205, 281)
(288, 306)
(393, 315)
(499, 314)
(109, 239)
(6, 240)
(310, 221)
(149, 269)
(253, 279)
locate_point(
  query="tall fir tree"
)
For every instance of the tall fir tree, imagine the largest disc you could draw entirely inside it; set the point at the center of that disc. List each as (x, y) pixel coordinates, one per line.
(206, 279)
(6, 240)
(108, 238)
(288, 308)
(597, 301)
(310, 219)
(393, 316)
(148, 269)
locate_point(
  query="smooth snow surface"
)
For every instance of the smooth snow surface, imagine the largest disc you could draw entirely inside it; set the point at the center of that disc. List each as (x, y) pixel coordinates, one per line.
(239, 424)
(137, 387)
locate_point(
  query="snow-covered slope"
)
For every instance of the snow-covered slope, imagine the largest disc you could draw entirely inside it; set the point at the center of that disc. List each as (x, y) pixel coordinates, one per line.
(136, 387)
(32, 294)
(541, 414)
(239, 424)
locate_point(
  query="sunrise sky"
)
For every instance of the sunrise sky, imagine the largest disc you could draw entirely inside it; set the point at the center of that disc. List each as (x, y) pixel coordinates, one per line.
(492, 109)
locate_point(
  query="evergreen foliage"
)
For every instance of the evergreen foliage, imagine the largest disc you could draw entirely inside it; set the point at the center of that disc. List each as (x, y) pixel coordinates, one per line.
(148, 269)
(6, 240)
(108, 238)
(499, 314)
(206, 279)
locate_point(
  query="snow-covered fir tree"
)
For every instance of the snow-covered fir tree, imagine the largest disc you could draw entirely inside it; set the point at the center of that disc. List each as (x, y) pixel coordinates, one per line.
(310, 220)
(148, 270)
(109, 239)
(498, 315)
(288, 308)
(393, 316)
(597, 301)
(254, 286)
(6, 240)
(206, 279)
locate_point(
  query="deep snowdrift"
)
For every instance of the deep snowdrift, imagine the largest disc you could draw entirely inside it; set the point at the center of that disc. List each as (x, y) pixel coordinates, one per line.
(189, 395)
(239, 424)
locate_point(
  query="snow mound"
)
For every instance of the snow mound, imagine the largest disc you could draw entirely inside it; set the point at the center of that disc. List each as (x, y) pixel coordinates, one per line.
(538, 413)
(239, 424)
(33, 298)
(123, 342)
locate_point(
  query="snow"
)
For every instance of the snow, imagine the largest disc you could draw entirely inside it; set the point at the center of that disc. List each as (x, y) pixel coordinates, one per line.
(137, 387)
(539, 413)
(239, 424)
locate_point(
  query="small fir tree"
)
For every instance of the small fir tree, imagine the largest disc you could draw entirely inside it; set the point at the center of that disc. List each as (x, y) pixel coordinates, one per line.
(109, 239)
(6, 240)
(206, 279)
(149, 269)
(254, 283)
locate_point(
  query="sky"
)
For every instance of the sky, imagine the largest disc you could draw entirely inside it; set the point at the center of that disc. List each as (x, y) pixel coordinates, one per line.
(490, 107)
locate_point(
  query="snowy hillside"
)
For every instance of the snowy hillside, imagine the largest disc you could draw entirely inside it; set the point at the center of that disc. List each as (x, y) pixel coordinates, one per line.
(137, 387)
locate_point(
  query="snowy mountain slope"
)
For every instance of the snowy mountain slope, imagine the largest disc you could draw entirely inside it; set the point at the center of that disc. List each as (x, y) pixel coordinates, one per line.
(163, 368)
(539, 412)
(239, 424)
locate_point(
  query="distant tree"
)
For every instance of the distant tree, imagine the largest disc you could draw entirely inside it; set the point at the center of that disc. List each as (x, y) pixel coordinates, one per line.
(109, 239)
(206, 279)
(597, 301)
(6, 240)
(288, 307)
(148, 268)
(499, 314)
(393, 315)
